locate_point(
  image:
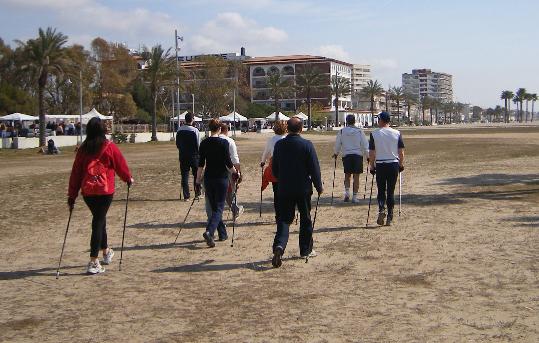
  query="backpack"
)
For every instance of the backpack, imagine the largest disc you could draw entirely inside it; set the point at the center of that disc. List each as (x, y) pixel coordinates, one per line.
(95, 181)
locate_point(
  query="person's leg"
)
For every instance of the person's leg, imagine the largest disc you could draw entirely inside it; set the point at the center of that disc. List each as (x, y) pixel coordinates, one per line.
(98, 206)
(305, 226)
(275, 186)
(287, 208)
(194, 168)
(392, 176)
(217, 202)
(381, 184)
(347, 177)
(184, 169)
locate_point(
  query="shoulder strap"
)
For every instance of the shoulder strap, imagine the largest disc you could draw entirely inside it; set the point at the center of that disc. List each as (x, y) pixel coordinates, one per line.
(106, 145)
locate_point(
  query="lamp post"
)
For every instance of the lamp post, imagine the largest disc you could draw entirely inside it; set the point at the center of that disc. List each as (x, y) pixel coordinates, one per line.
(193, 100)
(69, 82)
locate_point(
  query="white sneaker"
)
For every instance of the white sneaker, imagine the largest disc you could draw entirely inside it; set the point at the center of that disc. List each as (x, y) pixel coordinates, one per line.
(107, 259)
(355, 200)
(239, 212)
(312, 254)
(95, 268)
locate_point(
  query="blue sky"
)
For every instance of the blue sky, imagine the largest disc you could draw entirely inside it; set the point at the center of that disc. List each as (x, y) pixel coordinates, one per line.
(488, 45)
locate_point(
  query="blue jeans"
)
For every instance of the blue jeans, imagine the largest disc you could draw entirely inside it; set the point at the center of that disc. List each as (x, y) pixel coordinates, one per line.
(386, 179)
(216, 195)
(287, 208)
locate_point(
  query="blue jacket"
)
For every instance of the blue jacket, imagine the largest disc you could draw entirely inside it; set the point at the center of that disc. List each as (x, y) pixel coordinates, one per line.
(296, 167)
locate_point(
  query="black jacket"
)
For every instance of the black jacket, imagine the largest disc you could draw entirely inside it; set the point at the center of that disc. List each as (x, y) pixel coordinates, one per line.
(187, 142)
(296, 167)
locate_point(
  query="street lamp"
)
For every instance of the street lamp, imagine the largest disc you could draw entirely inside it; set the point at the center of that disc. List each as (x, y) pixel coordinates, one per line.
(69, 82)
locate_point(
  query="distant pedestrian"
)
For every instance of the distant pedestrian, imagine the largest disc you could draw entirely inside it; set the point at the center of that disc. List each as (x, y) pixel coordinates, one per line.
(214, 166)
(280, 132)
(96, 162)
(188, 142)
(387, 151)
(297, 169)
(351, 141)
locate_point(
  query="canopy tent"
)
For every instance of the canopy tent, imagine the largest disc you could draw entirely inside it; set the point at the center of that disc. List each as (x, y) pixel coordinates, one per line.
(94, 113)
(301, 116)
(230, 117)
(280, 116)
(182, 118)
(18, 117)
(76, 118)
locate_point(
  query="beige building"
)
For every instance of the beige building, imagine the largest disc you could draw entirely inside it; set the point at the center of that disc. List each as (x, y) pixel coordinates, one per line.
(425, 82)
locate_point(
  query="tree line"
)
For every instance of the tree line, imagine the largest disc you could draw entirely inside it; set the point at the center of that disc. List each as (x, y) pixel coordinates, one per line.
(518, 99)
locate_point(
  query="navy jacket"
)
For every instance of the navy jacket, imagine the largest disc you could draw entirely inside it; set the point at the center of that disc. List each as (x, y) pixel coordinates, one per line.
(296, 167)
(187, 142)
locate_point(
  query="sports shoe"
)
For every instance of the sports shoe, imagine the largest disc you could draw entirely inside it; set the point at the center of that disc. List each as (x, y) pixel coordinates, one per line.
(276, 261)
(94, 268)
(107, 259)
(238, 212)
(209, 239)
(346, 198)
(389, 219)
(381, 217)
(313, 253)
(355, 200)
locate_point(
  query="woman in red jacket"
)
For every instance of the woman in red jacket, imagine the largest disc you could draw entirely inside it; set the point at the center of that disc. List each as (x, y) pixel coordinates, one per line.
(93, 174)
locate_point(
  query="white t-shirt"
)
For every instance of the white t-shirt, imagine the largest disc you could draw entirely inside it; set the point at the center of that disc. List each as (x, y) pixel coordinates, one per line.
(232, 149)
(386, 142)
(270, 145)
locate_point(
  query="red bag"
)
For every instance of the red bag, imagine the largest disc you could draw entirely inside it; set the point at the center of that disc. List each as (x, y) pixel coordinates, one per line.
(95, 181)
(267, 176)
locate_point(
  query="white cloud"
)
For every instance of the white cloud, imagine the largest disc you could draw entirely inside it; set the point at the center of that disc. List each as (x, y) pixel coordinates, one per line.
(229, 31)
(334, 51)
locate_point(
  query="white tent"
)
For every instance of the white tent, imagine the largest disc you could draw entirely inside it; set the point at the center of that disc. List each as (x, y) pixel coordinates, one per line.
(301, 116)
(280, 116)
(93, 113)
(18, 117)
(182, 118)
(230, 117)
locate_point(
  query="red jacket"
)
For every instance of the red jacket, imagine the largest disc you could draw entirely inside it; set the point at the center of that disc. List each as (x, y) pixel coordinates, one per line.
(111, 157)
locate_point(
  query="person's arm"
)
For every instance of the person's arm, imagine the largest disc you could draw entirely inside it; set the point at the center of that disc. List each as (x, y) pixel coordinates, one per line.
(201, 163)
(275, 159)
(266, 152)
(75, 179)
(372, 153)
(338, 145)
(401, 153)
(120, 164)
(364, 145)
(178, 140)
(314, 168)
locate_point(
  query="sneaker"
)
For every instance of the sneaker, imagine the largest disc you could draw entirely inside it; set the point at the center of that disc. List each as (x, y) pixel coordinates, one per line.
(239, 212)
(222, 239)
(389, 219)
(95, 268)
(346, 198)
(276, 261)
(107, 259)
(313, 253)
(381, 217)
(209, 239)
(355, 200)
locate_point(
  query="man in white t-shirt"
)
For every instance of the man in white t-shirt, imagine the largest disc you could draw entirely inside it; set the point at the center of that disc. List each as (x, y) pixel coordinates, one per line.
(387, 151)
(351, 141)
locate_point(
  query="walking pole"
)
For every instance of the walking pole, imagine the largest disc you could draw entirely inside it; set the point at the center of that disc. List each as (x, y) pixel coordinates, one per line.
(123, 234)
(400, 193)
(63, 245)
(235, 202)
(366, 181)
(314, 222)
(333, 188)
(370, 198)
(185, 219)
(262, 180)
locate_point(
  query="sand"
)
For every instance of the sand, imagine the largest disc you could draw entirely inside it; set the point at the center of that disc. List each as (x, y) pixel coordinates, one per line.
(459, 265)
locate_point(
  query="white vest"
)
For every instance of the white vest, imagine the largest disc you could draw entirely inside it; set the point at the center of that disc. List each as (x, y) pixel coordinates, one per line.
(386, 145)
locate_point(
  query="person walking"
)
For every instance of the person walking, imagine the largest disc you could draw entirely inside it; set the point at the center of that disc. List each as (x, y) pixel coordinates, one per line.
(214, 166)
(280, 132)
(95, 164)
(387, 152)
(188, 142)
(234, 157)
(296, 167)
(353, 145)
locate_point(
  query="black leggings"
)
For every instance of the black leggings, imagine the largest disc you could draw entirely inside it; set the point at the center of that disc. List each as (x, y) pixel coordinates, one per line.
(386, 179)
(99, 206)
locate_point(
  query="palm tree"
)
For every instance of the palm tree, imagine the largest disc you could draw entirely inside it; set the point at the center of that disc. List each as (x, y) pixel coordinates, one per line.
(409, 101)
(397, 94)
(527, 97)
(339, 86)
(278, 87)
(521, 96)
(426, 103)
(160, 71)
(372, 90)
(507, 96)
(309, 81)
(44, 54)
(459, 107)
(436, 103)
(533, 98)
(516, 102)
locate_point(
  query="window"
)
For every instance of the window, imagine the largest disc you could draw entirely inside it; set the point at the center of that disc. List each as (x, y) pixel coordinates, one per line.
(259, 71)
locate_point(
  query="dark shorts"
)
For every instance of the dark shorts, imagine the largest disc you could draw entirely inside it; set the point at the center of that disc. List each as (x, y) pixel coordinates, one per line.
(353, 164)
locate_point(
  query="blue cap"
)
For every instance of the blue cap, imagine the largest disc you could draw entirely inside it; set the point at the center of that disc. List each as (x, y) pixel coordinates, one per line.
(385, 117)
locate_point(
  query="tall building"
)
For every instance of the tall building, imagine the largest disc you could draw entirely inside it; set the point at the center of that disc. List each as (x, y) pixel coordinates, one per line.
(423, 82)
(293, 65)
(361, 73)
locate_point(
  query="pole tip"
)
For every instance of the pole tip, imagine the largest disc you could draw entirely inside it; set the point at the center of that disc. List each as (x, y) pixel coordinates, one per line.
(57, 275)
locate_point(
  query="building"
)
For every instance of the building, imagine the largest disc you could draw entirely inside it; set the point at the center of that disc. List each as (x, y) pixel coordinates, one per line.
(289, 67)
(361, 74)
(425, 82)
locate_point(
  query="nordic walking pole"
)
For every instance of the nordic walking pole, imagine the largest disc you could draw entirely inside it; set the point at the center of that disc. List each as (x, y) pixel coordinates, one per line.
(262, 180)
(123, 234)
(185, 219)
(370, 198)
(235, 202)
(366, 181)
(333, 188)
(314, 222)
(400, 193)
(63, 245)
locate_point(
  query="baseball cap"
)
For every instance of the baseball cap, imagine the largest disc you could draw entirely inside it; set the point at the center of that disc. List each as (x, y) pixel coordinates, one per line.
(384, 116)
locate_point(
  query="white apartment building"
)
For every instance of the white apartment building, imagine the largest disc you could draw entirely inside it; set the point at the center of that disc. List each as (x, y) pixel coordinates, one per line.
(361, 74)
(423, 82)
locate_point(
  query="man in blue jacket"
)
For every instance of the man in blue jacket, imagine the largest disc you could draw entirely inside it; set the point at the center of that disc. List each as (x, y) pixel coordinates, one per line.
(187, 142)
(296, 166)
